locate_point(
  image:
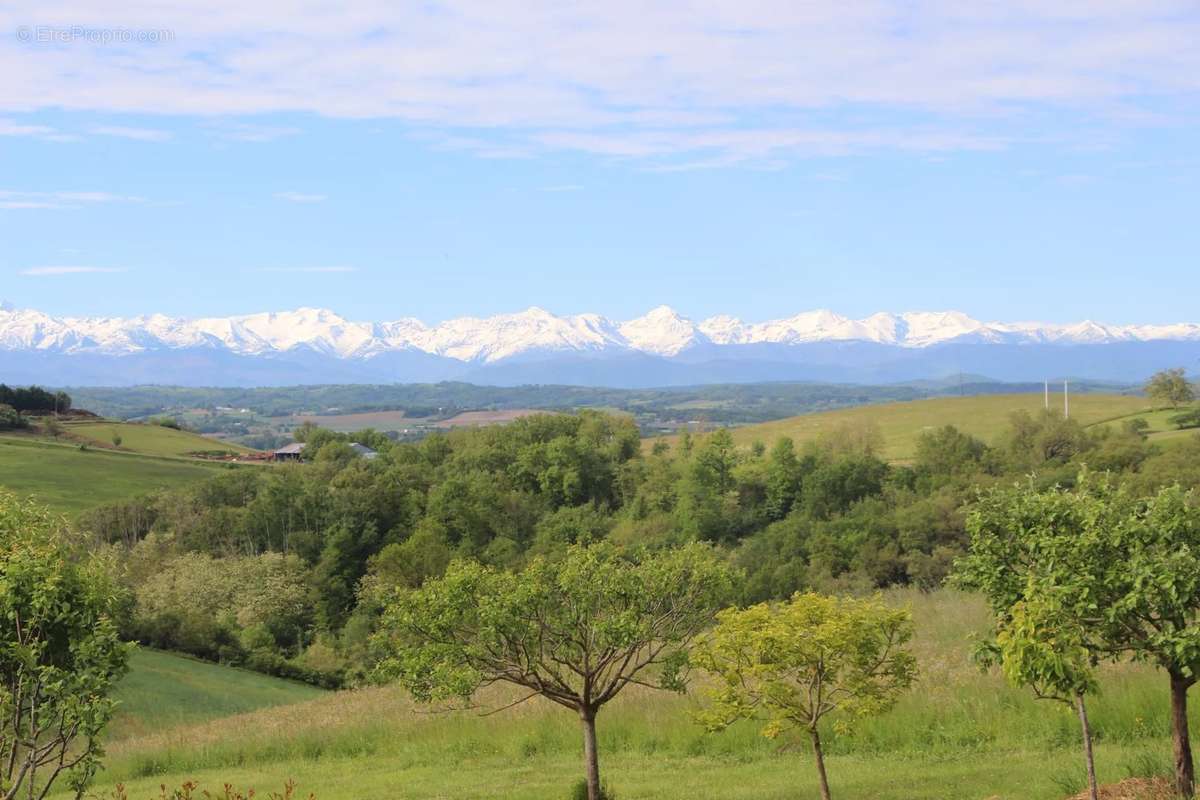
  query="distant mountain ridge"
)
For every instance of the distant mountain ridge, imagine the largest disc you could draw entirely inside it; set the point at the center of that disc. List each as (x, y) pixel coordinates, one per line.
(311, 345)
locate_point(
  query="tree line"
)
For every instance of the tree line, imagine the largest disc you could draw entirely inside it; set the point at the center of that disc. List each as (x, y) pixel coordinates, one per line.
(830, 516)
(34, 399)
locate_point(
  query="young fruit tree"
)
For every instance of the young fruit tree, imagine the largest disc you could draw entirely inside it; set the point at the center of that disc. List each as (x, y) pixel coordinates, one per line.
(791, 665)
(1124, 571)
(1043, 646)
(575, 631)
(60, 656)
(1041, 638)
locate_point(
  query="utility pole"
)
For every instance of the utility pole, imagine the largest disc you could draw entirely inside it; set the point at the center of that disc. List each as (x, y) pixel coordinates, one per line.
(1066, 401)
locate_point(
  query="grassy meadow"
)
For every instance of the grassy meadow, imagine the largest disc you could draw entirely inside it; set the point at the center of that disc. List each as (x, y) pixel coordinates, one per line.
(70, 480)
(984, 416)
(154, 440)
(959, 734)
(164, 690)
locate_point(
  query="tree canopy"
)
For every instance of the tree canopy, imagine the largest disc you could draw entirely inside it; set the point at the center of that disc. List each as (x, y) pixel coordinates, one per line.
(60, 656)
(1170, 387)
(1122, 572)
(576, 630)
(793, 664)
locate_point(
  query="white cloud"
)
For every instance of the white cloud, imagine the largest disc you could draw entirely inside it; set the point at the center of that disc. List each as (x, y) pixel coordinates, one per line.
(300, 197)
(29, 204)
(59, 200)
(565, 187)
(11, 128)
(311, 269)
(248, 132)
(140, 134)
(707, 81)
(46, 271)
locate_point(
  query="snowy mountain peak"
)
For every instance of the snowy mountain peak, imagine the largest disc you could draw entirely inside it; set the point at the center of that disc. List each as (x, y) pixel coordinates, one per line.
(661, 331)
(534, 332)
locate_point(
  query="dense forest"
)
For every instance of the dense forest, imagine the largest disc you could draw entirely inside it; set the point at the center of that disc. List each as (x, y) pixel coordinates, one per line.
(35, 399)
(279, 569)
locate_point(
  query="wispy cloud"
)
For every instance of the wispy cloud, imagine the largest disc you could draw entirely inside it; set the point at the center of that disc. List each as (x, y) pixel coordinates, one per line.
(72, 270)
(29, 204)
(139, 134)
(11, 128)
(249, 132)
(300, 197)
(694, 82)
(310, 269)
(566, 187)
(59, 200)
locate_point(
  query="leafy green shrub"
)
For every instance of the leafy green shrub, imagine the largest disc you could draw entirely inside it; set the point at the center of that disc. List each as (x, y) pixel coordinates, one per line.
(60, 653)
(1188, 419)
(10, 418)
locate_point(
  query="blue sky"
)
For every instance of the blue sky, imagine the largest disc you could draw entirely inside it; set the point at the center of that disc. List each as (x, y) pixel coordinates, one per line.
(759, 158)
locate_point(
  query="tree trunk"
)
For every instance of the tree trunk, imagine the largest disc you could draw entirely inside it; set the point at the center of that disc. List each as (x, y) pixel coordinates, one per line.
(1093, 788)
(816, 741)
(1185, 772)
(591, 758)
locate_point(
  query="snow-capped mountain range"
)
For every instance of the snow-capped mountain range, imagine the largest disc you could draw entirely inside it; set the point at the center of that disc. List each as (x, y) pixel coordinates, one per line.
(312, 340)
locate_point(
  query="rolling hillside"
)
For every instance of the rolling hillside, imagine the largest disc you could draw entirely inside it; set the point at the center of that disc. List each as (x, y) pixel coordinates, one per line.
(69, 480)
(984, 416)
(148, 439)
(163, 690)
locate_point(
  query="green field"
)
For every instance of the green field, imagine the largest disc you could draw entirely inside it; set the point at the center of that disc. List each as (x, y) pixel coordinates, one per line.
(959, 734)
(984, 416)
(163, 691)
(70, 480)
(1161, 429)
(154, 440)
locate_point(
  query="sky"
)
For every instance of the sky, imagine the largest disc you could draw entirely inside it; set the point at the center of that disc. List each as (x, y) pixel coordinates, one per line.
(1015, 160)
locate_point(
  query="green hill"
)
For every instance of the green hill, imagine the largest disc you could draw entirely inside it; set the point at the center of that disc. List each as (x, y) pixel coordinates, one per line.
(959, 734)
(149, 439)
(164, 690)
(69, 479)
(984, 416)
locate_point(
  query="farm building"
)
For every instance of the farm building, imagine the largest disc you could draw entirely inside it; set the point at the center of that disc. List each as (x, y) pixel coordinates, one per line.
(363, 451)
(290, 452)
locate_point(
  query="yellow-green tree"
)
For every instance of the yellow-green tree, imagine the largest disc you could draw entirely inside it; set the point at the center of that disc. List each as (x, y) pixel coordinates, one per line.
(793, 664)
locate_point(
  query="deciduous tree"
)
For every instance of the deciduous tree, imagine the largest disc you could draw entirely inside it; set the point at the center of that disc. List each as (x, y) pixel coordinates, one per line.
(575, 631)
(792, 665)
(60, 656)
(1170, 387)
(1124, 570)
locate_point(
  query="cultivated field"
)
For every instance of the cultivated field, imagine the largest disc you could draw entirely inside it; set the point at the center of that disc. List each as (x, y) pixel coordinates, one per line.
(469, 419)
(985, 416)
(348, 423)
(959, 734)
(70, 480)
